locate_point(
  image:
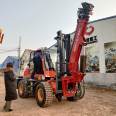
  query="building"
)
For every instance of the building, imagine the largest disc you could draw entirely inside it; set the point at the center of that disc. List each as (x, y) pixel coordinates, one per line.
(24, 60)
(101, 52)
(101, 55)
(0, 65)
(12, 59)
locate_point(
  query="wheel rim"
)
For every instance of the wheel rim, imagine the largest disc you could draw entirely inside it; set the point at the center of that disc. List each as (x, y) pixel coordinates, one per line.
(20, 89)
(78, 93)
(40, 94)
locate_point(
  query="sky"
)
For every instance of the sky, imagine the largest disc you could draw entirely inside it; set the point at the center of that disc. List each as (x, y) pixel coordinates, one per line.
(37, 21)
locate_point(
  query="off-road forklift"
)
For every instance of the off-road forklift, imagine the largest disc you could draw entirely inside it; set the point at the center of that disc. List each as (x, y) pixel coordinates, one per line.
(66, 80)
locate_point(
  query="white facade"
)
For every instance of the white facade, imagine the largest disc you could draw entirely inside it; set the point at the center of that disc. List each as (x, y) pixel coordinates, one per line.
(105, 30)
(24, 60)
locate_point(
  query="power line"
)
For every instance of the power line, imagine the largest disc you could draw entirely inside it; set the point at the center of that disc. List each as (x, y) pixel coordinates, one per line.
(8, 48)
(12, 50)
(5, 51)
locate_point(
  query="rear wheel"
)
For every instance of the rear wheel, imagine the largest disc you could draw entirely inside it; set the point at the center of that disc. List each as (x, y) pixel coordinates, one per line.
(80, 92)
(22, 89)
(44, 94)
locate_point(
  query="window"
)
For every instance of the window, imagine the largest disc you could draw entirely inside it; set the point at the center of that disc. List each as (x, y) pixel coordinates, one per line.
(110, 57)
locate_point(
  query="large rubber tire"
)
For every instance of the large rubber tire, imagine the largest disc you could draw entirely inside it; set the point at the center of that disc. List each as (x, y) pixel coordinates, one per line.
(81, 90)
(23, 89)
(44, 94)
(80, 93)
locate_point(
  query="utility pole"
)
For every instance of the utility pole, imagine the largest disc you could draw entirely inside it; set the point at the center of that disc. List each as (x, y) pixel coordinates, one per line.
(19, 53)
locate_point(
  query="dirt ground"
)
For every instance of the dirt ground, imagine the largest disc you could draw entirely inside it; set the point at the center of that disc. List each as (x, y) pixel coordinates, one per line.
(96, 102)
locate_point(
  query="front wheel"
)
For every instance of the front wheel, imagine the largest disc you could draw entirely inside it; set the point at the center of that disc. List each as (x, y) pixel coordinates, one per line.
(80, 92)
(44, 94)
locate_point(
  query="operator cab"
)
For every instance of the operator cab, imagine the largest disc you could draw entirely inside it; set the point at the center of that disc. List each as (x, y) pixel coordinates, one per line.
(40, 63)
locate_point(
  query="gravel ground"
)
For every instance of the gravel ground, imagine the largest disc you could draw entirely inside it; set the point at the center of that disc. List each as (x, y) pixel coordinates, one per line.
(96, 102)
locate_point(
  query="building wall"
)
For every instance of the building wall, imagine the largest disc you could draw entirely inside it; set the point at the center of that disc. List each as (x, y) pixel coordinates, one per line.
(53, 53)
(53, 57)
(105, 32)
(24, 60)
(104, 80)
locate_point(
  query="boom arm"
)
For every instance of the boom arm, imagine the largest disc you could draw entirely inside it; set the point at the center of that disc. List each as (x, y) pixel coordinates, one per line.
(68, 75)
(83, 17)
